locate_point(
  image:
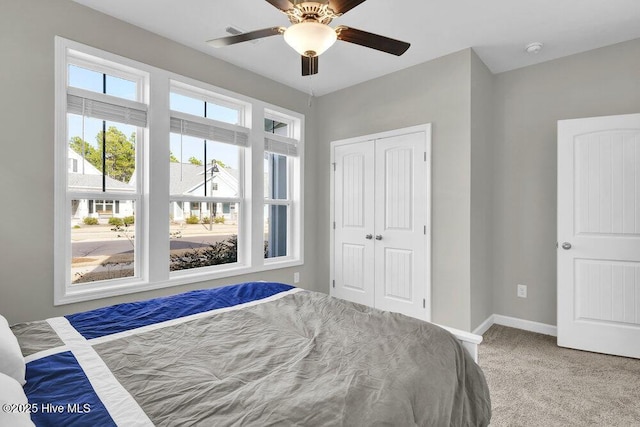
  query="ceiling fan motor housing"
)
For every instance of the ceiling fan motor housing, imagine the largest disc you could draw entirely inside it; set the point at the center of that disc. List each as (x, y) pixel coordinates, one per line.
(314, 11)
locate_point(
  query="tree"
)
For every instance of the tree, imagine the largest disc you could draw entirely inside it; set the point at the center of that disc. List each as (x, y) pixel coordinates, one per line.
(120, 158)
(195, 161)
(221, 164)
(172, 158)
(121, 154)
(86, 150)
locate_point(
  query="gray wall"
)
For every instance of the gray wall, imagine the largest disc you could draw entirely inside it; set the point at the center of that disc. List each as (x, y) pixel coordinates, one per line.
(482, 147)
(494, 166)
(528, 104)
(493, 157)
(26, 165)
(436, 92)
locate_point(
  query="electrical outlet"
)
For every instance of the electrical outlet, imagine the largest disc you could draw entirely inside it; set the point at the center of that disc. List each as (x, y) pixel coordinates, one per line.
(522, 291)
(296, 277)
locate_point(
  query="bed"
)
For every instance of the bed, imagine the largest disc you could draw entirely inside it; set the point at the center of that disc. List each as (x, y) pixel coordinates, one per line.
(257, 353)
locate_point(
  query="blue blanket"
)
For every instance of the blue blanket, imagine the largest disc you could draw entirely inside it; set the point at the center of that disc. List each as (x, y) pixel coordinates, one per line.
(123, 317)
(59, 392)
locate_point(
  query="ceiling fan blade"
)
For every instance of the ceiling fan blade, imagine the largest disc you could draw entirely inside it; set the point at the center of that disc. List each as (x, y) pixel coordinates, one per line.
(344, 6)
(283, 5)
(374, 41)
(309, 65)
(244, 37)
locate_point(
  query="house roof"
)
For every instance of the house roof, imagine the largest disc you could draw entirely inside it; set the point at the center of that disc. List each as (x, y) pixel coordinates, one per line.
(186, 177)
(91, 179)
(183, 177)
(78, 181)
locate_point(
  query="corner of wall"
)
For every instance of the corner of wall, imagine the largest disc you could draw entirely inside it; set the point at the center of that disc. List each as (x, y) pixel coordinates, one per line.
(436, 92)
(482, 155)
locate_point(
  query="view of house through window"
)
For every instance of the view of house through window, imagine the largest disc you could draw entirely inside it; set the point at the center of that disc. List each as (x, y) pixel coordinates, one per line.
(137, 207)
(102, 163)
(277, 192)
(205, 185)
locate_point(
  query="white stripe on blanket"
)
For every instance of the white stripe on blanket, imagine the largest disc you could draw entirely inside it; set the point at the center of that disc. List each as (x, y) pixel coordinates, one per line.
(45, 353)
(122, 407)
(191, 317)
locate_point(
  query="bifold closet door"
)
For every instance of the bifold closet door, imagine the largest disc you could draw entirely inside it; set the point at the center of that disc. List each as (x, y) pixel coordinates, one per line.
(401, 261)
(381, 232)
(354, 222)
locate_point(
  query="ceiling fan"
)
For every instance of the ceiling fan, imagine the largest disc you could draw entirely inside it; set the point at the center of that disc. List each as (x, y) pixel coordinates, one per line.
(310, 35)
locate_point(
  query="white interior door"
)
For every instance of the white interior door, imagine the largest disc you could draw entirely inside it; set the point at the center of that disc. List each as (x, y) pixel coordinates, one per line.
(354, 222)
(401, 259)
(599, 234)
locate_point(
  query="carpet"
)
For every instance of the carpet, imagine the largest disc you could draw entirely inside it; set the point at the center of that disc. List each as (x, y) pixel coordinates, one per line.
(533, 382)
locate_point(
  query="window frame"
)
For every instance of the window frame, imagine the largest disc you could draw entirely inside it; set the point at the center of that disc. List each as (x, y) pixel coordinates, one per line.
(243, 108)
(97, 64)
(197, 92)
(152, 181)
(293, 192)
(67, 53)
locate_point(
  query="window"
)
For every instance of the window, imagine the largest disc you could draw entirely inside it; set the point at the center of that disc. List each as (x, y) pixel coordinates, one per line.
(105, 120)
(207, 146)
(114, 235)
(280, 156)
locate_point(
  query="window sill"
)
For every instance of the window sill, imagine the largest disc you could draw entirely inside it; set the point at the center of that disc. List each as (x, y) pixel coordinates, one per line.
(80, 293)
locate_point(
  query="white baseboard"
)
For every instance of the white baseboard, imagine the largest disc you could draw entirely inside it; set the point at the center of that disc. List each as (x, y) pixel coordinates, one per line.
(514, 322)
(484, 326)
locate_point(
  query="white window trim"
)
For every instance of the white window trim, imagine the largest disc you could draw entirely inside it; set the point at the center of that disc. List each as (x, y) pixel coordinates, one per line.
(153, 255)
(294, 198)
(294, 131)
(97, 62)
(198, 92)
(292, 249)
(66, 53)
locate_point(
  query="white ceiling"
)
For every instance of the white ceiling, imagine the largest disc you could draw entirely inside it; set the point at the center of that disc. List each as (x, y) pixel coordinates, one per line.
(498, 30)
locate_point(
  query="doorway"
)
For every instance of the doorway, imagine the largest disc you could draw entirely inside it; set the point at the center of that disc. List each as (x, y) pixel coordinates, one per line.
(599, 234)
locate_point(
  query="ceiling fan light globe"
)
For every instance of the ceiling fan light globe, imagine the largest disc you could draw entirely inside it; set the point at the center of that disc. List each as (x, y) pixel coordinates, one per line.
(310, 38)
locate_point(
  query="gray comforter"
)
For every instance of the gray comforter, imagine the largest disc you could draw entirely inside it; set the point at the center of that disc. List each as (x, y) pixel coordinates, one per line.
(305, 359)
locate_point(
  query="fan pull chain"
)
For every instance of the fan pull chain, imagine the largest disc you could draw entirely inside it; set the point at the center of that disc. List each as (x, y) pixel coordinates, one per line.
(311, 95)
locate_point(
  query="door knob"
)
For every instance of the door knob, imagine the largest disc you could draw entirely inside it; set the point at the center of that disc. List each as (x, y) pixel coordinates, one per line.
(369, 236)
(566, 246)
(378, 236)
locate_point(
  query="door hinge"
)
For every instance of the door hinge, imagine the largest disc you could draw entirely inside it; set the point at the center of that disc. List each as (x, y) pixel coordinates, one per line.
(425, 156)
(334, 225)
(425, 230)
(334, 283)
(424, 303)
(334, 166)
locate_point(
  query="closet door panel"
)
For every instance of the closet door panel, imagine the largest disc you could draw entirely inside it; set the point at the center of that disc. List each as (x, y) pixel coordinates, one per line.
(353, 214)
(400, 224)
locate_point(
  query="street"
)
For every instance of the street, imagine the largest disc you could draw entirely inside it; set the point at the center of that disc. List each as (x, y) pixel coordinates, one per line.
(113, 247)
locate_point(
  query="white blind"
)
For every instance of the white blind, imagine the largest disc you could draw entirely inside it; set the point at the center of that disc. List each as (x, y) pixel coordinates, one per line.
(213, 130)
(105, 110)
(281, 145)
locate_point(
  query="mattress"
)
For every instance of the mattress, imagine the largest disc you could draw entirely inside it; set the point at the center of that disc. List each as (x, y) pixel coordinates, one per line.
(255, 353)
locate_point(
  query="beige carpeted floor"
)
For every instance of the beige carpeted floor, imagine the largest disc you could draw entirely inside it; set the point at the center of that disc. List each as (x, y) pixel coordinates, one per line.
(533, 382)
